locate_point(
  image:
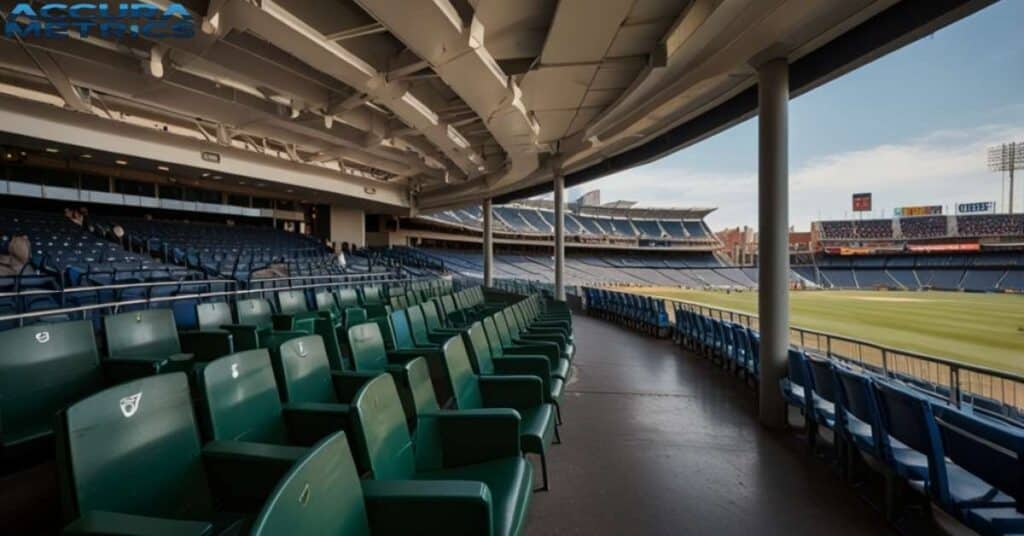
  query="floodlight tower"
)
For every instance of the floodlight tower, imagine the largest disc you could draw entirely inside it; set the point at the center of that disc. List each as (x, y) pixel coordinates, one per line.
(1007, 157)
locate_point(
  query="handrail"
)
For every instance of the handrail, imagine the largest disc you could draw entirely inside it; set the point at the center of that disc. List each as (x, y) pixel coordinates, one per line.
(201, 295)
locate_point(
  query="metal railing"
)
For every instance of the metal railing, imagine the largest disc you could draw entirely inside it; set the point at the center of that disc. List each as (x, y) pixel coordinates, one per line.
(948, 378)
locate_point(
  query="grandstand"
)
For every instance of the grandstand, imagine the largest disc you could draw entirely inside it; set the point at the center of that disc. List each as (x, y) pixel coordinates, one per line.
(286, 267)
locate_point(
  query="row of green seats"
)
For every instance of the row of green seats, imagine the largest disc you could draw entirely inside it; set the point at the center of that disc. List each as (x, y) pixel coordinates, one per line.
(140, 343)
(458, 471)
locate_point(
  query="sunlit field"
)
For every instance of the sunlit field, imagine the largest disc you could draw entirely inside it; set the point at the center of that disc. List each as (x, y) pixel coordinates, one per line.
(983, 329)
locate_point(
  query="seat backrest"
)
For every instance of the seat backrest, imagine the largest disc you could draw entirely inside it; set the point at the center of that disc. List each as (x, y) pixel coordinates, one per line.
(448, 302)
(797, 367)
(503, 330)
(213, 315)
(354, 315)
(991, 451)
(303, 371)
(464, 383)
(424, 397)
(347, 297)
(511, 322)
(368, 351)
(493, 339)
(254, 312)
(418, 325)
(321, 494)
(907, 417)
(292, 301)
(150, 332)
(430, 315)
(325, 300)
(854, 394)
(44, 368)
(239, 399)
(382, 435)
(400, 330)
(824, 381)
(371, 296)
(134, 449)
(479, 349)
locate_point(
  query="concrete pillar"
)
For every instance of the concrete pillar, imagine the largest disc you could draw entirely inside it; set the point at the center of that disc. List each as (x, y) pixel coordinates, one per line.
(559, 237)
(773, 243)
(488, 243)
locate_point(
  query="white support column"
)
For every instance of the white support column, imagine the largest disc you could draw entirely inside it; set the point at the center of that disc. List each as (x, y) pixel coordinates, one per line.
(559, 237)
(488, 243)
(773, 243)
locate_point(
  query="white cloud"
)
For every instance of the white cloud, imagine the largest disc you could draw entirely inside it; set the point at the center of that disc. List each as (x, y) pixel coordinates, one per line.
(942, 168)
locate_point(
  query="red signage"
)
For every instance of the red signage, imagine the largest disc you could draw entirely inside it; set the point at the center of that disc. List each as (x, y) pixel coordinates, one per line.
(862, 202)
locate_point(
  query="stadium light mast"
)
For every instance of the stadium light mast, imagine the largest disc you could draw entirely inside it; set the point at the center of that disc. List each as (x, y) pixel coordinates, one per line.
(1007, 157)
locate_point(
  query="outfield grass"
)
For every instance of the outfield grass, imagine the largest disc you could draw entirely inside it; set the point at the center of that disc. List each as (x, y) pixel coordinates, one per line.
(982, 329)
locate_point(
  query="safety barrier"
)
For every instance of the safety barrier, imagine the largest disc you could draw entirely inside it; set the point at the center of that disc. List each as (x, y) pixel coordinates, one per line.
(983, 388)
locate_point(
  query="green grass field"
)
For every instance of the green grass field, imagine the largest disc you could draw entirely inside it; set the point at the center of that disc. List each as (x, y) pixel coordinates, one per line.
(981, 329)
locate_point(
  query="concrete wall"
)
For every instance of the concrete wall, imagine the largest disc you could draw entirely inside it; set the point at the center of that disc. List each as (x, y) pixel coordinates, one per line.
(348, 225)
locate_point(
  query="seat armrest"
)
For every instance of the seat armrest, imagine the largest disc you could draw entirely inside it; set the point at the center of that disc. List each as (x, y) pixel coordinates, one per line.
(122, 369)
(550, 351)
(309, 422)
(528, 365)
(427, 506)
(244, 336)
(207, 345)
(512, 391)
(401, 357)
(101, 522)
(243, 474)
(347, 383)
(452, 438)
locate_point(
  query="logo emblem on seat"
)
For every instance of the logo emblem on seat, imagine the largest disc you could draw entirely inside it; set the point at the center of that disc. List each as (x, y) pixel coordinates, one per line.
(43, 337)
(138, 317)
(234, 370)
(302, 349)
(304, 495)
(130, 404)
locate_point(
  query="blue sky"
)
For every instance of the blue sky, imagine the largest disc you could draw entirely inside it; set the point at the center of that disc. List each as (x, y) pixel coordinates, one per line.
(911, 127)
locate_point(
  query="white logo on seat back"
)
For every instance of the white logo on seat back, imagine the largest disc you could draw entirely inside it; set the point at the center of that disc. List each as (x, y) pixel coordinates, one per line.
(130, 404)
(234, 370)
(43, 337)
(302, 349)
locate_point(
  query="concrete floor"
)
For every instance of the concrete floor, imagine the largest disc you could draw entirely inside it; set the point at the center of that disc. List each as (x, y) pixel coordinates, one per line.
(657, 441)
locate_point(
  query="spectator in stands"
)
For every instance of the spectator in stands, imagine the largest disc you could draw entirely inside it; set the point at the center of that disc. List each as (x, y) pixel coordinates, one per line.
(118, 234)
(18, 252)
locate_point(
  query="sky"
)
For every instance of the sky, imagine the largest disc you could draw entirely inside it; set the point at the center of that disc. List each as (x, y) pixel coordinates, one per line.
(911, 127)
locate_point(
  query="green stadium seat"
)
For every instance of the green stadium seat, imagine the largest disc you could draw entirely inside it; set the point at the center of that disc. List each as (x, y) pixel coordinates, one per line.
(401, 334)
(130, 462)
(370, 355)
(456, 451)
(502, 344)
(239, 402)
(486, 363)
(347, 298)
(293, 312)
(44, 368)
(521, 332)
(525, 394)
(255, 323)
(304, 374)
(322, 494)
(327, 306)
(144, 342)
